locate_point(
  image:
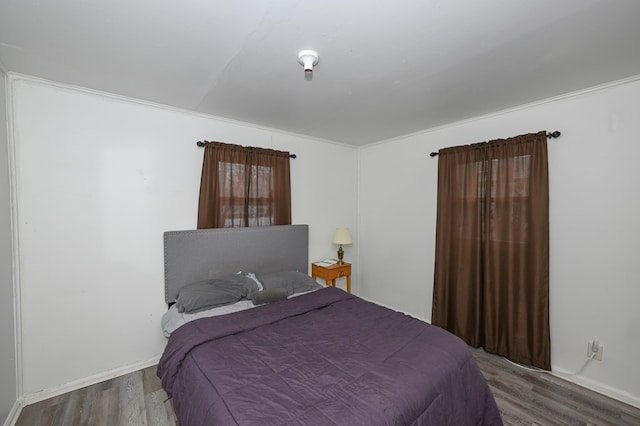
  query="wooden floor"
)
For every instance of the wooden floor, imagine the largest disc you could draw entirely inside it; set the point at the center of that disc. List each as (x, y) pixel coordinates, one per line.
(523, 397)
(534, 398)
(134, 399)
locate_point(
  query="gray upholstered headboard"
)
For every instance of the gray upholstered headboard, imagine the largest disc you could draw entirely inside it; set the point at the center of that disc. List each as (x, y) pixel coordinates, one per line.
(201, 254)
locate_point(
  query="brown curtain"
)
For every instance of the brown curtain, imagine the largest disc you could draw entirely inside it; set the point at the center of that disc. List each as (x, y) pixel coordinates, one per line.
(243, 186)
(491, 281)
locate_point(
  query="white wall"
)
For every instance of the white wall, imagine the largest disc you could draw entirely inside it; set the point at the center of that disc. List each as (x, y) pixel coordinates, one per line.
(594, 219)
(8, 394)
(99, 179)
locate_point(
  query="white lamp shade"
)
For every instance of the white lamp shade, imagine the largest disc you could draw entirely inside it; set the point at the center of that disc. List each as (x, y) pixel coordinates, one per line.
(342, 236)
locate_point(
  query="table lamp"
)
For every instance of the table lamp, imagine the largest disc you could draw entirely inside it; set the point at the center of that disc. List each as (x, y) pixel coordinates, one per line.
(342, 236)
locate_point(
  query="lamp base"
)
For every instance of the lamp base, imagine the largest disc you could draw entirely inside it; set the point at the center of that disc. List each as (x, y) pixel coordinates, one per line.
(340, 255)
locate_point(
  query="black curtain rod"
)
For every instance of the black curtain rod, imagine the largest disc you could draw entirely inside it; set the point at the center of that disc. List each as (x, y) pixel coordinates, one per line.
(201, 144)
(551, 135)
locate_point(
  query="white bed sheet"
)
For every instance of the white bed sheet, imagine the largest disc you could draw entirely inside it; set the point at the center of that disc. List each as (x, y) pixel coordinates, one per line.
(172, 319)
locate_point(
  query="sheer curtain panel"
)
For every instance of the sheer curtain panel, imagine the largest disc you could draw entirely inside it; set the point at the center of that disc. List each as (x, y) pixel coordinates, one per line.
(491, 280)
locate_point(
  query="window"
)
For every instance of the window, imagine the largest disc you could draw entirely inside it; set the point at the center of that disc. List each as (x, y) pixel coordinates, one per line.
(244, 186)
(491, 277)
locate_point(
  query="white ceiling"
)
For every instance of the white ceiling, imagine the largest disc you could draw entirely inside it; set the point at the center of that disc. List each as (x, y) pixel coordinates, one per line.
(387, 68)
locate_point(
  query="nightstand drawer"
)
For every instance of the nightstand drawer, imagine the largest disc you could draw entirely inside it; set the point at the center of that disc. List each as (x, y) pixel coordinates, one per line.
(338, 271)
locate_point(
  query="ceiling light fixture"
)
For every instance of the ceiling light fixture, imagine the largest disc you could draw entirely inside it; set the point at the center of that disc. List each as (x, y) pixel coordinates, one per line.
(308, 58)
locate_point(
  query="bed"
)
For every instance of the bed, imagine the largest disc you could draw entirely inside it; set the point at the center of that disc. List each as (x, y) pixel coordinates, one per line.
(322, 357)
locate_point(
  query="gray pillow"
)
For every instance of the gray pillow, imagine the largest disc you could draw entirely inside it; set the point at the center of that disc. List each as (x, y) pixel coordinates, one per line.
(293, 281)
(268, 296)
(201, 295)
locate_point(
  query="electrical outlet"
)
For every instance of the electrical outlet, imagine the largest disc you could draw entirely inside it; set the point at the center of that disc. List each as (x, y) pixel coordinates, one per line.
(595, 349)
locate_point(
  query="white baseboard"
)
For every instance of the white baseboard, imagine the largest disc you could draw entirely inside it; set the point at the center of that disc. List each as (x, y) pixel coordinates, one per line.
(605, 390)
(12, 418)
(88, 381)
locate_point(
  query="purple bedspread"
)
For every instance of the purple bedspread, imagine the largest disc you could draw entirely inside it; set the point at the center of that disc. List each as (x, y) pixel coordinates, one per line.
(326, 358)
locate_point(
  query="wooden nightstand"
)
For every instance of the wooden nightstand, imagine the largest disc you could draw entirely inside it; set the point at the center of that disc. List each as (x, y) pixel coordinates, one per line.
(330, 273)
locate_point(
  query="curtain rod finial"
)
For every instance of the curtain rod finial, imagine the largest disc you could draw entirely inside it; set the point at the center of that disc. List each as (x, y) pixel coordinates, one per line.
(555, 134)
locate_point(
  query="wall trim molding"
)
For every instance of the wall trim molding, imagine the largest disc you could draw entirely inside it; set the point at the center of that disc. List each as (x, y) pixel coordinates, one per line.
(533, 104)
(600, 388)
(582, 381)
(17, 76)
(88, 381)
(15, 245)
(12, 418)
